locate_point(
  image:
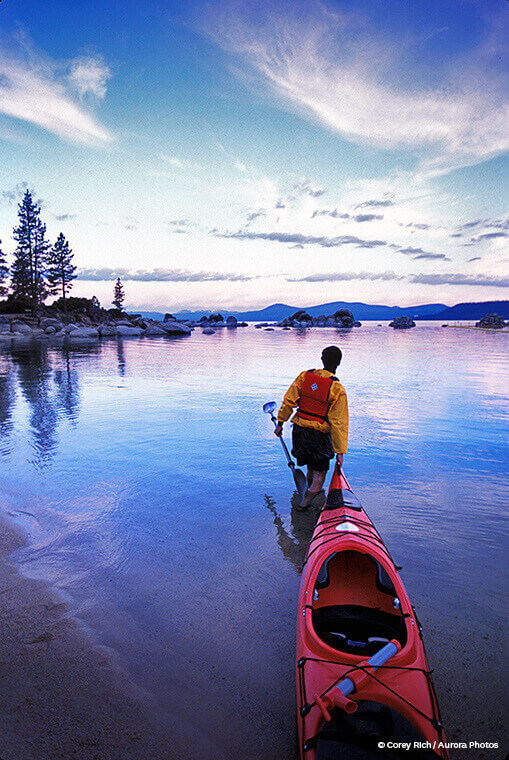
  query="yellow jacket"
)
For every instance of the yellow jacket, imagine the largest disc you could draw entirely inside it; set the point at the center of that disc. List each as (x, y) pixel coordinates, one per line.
(337, 424)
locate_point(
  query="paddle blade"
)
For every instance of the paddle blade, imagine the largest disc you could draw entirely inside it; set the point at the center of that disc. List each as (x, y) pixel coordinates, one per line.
(300, 482)
(269, 407)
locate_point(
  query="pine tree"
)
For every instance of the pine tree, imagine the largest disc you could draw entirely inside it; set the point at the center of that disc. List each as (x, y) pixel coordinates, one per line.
(4, 271)
(118, 295)
(61, 270)
(29, 267)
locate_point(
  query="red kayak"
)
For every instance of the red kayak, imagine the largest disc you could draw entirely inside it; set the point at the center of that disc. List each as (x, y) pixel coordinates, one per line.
(364, 687)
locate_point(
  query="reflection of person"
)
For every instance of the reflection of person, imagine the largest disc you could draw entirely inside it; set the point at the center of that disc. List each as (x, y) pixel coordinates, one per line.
(294, 544)
(320, 425)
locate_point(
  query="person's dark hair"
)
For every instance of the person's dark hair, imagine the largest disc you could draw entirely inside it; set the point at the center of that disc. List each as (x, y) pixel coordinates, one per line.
(331, 358)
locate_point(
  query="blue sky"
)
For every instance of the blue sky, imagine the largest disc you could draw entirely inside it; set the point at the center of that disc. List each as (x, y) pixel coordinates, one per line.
(234, 154)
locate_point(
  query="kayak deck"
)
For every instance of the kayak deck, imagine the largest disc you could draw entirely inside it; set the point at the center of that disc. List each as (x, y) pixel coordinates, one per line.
(352, 603)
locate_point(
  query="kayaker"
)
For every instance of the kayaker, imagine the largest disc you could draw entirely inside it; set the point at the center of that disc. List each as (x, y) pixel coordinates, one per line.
(320, 425)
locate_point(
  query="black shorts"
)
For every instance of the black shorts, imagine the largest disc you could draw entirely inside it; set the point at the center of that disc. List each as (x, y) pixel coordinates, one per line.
(312, 447)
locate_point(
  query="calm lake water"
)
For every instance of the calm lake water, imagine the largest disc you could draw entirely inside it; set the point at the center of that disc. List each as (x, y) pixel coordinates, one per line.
(157, 499)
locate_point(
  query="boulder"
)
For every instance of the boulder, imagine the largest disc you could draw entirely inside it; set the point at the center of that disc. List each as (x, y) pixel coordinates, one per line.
(231, 321)
(301, 316)
(169, 318)
(5, 327)
(70, 327)
(21, 328)
(127, 331)
(107, 331)
(242, 324)
(345, 317)
(50, 330)
(155, 330)
(83, 333)
(123, 323)
(494, 321)
(402, 323)
(50, 322)
(176, 328)
(208, 331)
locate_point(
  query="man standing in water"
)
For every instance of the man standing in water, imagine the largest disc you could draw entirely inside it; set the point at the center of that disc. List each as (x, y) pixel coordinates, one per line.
(320, 425)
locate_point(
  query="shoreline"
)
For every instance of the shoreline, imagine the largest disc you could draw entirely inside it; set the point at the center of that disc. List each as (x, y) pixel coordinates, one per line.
(62, 697)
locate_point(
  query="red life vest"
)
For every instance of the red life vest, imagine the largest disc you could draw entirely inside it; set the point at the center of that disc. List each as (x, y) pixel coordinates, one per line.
(314, 396)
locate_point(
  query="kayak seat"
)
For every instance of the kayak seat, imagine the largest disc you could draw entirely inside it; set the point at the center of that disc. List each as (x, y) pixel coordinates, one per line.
(357, 630)
(342, 497)
(383, 580)
(322, 579)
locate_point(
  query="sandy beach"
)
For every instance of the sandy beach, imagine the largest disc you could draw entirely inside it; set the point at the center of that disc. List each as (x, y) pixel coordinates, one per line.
(61, 697)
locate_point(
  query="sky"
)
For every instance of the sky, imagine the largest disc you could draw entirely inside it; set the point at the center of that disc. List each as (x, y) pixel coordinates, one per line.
(236, 154)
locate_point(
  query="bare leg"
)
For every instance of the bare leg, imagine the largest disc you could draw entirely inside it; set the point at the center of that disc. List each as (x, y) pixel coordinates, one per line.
(316, 485)
(309, 476)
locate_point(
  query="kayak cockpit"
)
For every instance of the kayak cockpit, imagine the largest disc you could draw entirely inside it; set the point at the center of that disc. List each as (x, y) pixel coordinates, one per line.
(355, 608)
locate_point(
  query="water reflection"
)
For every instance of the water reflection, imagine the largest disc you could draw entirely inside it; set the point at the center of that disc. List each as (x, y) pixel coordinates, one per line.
(294, 543)
(66, 381)
(49, 385)
(121, 358)
(7, 398)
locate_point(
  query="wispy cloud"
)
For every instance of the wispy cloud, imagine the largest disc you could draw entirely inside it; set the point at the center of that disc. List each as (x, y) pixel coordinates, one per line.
(64, 217)
(367, 217)
(489, 236)
(297, 238)
(318, 61)
(89, 77)
(419, 253)
(489, 281)
(345, 276)
(375, 204)
(304, 187)
(334, 213)
(36, 90)
(158, 275)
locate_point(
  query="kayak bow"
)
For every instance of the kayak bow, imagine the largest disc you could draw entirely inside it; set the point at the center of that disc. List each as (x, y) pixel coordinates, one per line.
(364, 687)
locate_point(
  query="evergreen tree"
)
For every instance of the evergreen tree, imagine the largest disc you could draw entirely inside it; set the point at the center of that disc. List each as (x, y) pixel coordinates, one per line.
(4, 271)
(118, 295)
(29, 268)
(61, 270)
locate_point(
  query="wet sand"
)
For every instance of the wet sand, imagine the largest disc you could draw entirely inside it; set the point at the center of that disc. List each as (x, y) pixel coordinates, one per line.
(61, 697)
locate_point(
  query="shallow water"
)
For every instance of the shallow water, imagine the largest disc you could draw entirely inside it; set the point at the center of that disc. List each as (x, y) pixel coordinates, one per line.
(157, 500)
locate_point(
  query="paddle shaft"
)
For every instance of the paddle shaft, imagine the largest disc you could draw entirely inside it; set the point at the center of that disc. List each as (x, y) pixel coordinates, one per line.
(283, 444)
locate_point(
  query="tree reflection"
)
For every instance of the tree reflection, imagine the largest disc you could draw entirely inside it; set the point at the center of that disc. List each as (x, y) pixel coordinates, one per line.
(7, 398)
(50, 393)
(66, 381)
(120, 358)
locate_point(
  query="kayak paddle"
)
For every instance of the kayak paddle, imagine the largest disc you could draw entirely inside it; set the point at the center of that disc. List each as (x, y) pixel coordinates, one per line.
(298, 476)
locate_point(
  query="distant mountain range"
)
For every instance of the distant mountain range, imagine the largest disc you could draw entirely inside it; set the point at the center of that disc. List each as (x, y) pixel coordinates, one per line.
(361, 311)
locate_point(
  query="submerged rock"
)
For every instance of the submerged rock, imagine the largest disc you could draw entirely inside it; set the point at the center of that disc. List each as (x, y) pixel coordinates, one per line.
(208, 331)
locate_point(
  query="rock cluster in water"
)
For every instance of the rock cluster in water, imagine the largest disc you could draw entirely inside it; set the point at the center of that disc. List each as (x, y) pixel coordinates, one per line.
(341, 318)
(402, 323)
(85, 325)
(495, 321)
